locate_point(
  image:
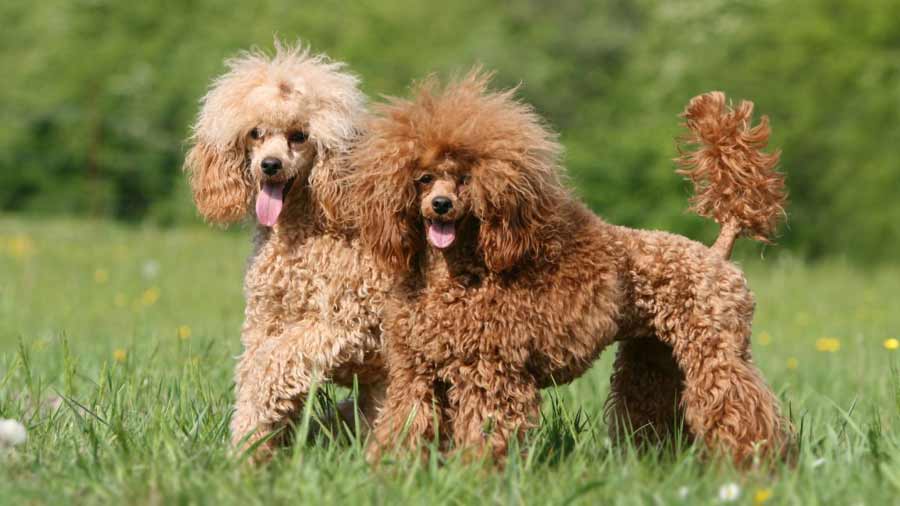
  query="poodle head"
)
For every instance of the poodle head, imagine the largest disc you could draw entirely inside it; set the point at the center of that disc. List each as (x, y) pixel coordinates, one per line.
(458, 167)
(269, 127)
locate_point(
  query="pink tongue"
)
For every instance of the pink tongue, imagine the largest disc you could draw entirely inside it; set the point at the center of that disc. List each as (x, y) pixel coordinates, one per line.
(441, 235)
(269, 203)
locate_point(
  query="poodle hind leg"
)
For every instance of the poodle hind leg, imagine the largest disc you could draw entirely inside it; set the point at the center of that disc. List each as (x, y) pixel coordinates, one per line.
(645, 393)
(726, 402)
(701, 306)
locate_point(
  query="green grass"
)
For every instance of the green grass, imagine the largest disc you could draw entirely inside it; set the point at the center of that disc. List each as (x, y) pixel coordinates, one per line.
(124, 407)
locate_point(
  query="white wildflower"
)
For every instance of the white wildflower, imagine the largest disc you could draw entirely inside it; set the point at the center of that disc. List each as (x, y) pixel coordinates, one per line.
(729, 492)
(12, 433)
(683, 492)
(150, 269)
(819, 462)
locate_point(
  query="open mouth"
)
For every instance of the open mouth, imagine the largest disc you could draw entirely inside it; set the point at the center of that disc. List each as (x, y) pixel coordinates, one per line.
(270, 201)
(441, 234)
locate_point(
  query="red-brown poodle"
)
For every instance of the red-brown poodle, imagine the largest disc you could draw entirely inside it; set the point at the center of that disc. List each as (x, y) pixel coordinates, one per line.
(511, 284)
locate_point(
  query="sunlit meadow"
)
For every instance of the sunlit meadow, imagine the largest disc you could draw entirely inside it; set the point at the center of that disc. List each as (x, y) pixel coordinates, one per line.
(117, 346)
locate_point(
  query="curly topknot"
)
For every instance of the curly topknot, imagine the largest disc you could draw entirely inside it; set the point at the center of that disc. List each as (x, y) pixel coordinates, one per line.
(735, 182)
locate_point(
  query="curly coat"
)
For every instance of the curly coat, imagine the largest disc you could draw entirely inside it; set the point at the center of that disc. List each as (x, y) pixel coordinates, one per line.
(533, 286)
(313, 297)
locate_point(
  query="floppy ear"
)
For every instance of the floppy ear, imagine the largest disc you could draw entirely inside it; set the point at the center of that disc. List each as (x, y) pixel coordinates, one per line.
(516, 213)
(383, 196)
(334, 133)
(326, 183)
(219, 182)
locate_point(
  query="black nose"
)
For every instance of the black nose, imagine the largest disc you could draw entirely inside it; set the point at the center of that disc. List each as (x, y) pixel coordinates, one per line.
(441, 205)
(270, 166)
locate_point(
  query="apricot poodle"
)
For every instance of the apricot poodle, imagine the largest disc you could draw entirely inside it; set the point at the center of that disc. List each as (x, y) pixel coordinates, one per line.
(270, 137)
(509, 283)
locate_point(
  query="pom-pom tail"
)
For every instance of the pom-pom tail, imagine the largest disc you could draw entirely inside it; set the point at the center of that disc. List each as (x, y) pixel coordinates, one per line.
(735, 182)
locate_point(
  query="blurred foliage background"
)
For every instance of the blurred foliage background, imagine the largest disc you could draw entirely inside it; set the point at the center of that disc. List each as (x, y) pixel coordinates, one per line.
(96, 96)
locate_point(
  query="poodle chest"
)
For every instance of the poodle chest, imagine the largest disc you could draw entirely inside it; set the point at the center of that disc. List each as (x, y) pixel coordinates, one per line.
(514, 324)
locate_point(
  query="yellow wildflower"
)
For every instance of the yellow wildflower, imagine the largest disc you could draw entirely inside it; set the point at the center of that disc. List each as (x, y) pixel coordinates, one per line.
(792, 363)
(120, 355)
(891, 344)
(21, 246)
(762, 495)
(828, 344)
(184, 332)
(101, 276)
(764, 338)
(150, 296)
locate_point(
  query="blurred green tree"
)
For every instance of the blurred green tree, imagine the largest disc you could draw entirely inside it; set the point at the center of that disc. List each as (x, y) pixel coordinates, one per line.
(97, 95)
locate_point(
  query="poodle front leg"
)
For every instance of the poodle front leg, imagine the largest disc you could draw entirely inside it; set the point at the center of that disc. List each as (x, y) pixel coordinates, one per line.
(492, 407)
(725, 400)
(408, 418)
(255, 419)
(265, 401)
(407, 422)
(645, 392)
(272, 381)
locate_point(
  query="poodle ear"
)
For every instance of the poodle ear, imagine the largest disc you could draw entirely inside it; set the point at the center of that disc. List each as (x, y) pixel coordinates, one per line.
(219, 182)
(334, 133)
(326, 180)
(515, 214)
(383, 197)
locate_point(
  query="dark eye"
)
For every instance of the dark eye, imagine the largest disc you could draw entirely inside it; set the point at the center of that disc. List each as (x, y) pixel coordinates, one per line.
(425, 179)
(464, 179)
(255, 134)
(297, 137)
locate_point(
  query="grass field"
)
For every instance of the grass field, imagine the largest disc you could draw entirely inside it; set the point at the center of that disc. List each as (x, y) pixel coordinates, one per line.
(117, 346)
